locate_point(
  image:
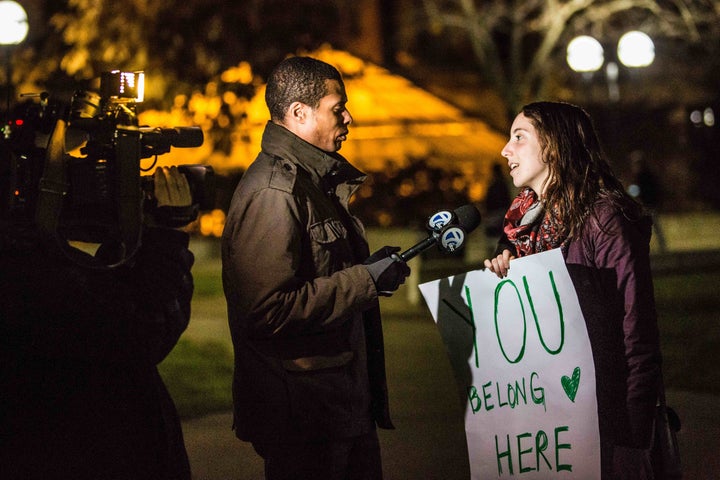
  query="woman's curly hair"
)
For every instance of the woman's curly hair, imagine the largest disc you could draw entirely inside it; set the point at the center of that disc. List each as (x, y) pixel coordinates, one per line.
(579, 173)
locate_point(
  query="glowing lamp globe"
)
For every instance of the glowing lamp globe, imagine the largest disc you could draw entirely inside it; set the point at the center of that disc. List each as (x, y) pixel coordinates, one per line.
(13, 23)
(585, 54)
(636, 49)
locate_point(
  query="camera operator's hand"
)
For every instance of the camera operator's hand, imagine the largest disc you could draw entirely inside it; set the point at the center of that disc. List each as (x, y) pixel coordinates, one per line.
(388, 271)
(171, 188)
(174, 202)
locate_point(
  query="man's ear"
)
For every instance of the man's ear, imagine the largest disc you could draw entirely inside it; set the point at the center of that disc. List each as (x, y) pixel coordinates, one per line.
(297, 112)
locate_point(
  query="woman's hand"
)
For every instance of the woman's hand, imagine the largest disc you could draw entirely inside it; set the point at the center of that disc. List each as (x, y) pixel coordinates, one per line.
(500, 264)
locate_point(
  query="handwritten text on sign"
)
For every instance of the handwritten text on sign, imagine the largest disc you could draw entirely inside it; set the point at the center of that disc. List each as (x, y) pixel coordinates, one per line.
(520, 351)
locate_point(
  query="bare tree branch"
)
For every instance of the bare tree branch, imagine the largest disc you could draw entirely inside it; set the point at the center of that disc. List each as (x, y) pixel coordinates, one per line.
(533, 32)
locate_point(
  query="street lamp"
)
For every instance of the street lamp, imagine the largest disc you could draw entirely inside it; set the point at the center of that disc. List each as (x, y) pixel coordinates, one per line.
(13, 30)
(636, 50)
(586, 55)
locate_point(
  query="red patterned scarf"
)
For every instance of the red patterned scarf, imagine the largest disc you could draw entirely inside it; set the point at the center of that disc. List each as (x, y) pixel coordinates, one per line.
(529, 227)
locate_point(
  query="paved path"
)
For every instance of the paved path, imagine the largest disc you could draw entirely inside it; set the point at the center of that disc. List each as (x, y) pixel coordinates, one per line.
(424, 448)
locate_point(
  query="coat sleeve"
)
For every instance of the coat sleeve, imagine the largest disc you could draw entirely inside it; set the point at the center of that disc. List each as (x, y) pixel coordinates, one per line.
(623, 246)
(268, 272)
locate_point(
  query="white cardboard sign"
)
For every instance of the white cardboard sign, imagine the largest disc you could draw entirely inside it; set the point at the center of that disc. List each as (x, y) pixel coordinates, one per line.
(521, 354)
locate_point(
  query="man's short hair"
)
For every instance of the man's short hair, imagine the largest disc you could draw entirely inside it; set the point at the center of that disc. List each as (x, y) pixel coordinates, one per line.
(298, 79)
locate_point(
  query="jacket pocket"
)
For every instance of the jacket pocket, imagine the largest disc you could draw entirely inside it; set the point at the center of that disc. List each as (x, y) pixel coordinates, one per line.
(321, 401)
(317, 362)
(328, 231)
(330, 248)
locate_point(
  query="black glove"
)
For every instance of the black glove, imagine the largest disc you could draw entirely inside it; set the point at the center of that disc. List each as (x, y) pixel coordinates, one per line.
(388, 271)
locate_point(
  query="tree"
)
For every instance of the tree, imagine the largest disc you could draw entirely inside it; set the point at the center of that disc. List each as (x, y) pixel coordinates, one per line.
(203, 57)
(518, 46)
(183, 45)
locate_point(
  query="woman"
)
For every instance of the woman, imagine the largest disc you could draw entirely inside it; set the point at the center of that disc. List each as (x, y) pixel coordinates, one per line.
(571, 200)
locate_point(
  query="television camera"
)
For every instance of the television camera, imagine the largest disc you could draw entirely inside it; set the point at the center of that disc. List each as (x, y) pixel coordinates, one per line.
(77, 167)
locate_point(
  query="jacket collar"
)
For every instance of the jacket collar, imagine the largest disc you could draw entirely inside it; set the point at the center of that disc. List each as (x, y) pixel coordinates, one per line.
(328, 170)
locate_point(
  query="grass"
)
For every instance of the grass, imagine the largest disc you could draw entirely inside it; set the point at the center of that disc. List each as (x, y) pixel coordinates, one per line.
(688, 319)
(198, 372)
(199, 377)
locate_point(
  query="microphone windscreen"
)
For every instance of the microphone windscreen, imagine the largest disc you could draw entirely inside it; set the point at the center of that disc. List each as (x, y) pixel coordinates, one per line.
(468, 217)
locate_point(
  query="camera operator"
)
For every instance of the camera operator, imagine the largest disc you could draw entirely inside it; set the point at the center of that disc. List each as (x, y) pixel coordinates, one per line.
(80, 393)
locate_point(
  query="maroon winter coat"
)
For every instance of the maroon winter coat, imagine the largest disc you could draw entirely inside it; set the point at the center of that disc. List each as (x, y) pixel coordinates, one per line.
(610, 267)
(609, 263)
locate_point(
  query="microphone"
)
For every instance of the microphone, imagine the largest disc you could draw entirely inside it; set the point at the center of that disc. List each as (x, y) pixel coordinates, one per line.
(447, 229)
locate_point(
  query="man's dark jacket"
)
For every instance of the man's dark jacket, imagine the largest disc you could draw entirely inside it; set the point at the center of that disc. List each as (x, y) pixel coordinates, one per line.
(303, 312)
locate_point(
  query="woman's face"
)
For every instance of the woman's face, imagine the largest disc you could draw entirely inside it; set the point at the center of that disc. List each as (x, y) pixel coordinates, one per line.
(523, 153)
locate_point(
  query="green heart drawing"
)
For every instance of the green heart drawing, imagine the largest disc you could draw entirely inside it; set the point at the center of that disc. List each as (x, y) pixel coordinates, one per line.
(570, 385)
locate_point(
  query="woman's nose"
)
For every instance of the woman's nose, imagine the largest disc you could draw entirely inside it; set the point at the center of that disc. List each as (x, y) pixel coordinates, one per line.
(505, 152)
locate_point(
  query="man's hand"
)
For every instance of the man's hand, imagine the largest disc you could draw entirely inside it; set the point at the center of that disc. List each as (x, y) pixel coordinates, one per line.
(172, 193)
(171, 188)
(388, 271)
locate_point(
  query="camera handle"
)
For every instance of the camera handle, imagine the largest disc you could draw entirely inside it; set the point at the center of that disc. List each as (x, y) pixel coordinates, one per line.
(52, 184)
(127, 153)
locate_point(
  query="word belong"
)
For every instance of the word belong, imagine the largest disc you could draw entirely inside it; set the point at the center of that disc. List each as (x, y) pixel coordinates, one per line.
(515, 394)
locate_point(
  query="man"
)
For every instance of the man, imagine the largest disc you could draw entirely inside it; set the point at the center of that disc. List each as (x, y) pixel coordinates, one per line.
(80, 394)
(302, 294)
(645, 188)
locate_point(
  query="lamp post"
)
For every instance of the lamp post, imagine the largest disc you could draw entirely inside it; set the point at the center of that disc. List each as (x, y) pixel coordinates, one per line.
(13, 30)
(586, 55)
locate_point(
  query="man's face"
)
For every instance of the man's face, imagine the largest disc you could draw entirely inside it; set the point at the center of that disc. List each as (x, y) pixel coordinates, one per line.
(326, 127)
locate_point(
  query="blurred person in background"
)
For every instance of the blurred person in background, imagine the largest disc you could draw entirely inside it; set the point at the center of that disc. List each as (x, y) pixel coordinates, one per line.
(645, 188)
(497, 201)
